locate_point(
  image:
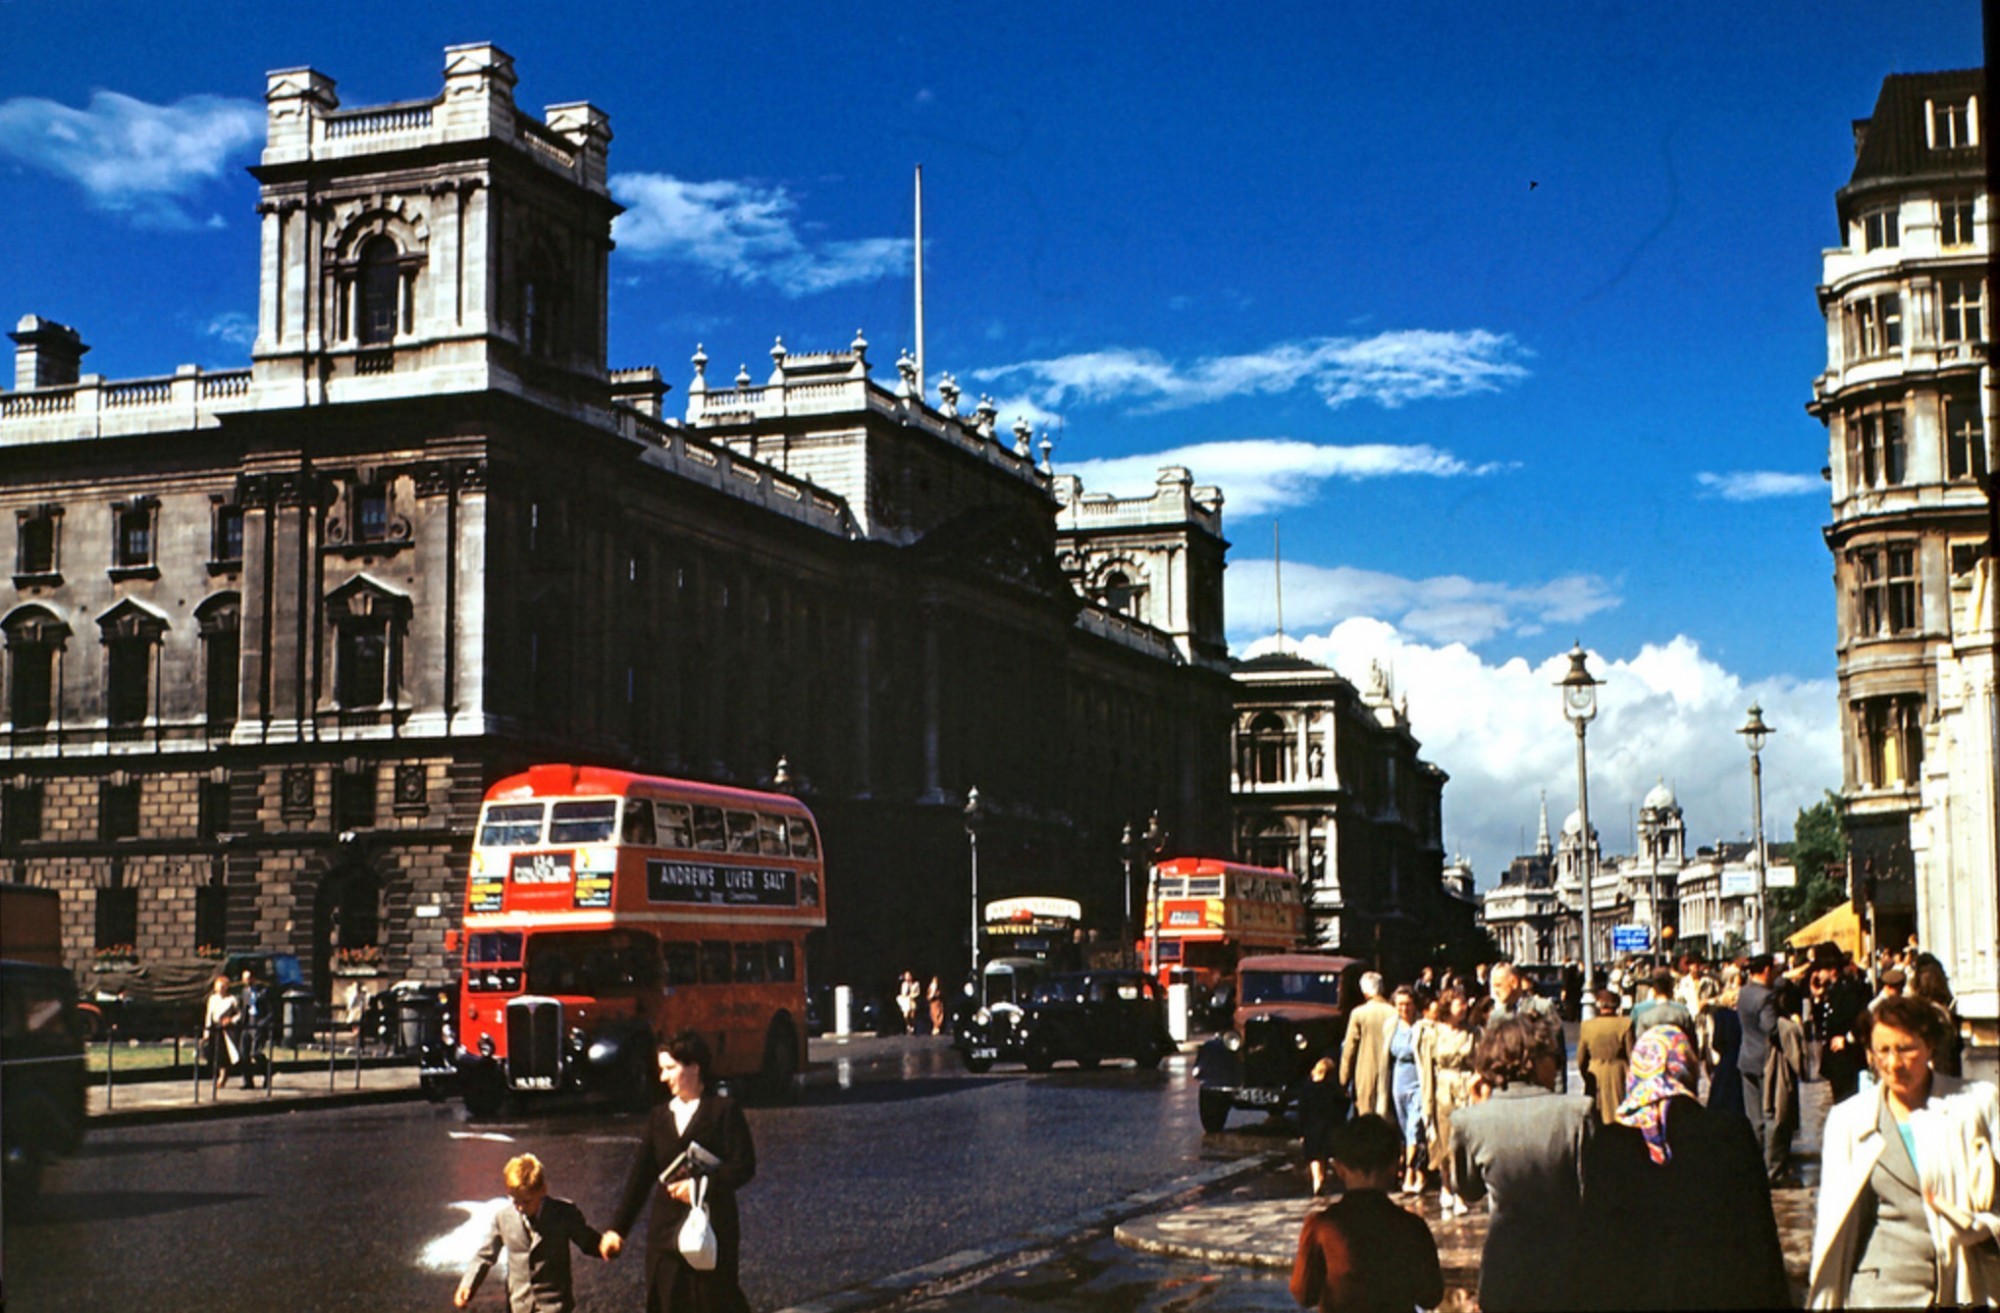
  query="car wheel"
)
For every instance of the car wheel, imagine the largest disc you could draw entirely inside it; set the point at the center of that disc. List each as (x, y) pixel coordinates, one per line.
(1090, 1063)
(1148, 1058)
(1214, 1110)
(979, 1066)
(1039, 1058)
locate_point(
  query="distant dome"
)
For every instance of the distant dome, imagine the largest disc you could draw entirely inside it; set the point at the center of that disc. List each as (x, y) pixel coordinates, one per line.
(1573, 823)
(1660, 798)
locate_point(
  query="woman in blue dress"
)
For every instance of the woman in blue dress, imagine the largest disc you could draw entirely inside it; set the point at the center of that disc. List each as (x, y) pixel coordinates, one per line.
(1404, 1082)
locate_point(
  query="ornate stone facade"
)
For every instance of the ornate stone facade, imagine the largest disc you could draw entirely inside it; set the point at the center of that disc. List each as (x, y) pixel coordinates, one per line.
(1329, 785)
(1905, 398)
(273, 631)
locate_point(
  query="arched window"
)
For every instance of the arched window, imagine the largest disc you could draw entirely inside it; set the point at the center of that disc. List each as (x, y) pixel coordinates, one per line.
(1118, 592)
(378, 293)
(33, 635)
(1271, 750)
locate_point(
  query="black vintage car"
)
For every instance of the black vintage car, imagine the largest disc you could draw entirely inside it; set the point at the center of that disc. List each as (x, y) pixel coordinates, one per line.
(1083, 1017)
(41, 1073)
(1291, 1010)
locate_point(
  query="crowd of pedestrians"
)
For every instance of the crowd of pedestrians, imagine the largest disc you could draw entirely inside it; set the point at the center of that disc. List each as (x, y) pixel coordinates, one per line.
(1666, 1148)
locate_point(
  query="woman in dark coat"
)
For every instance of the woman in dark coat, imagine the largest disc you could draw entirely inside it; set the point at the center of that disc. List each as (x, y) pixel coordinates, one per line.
(1725, 1082)
(692, 1115)
(1677, 1191)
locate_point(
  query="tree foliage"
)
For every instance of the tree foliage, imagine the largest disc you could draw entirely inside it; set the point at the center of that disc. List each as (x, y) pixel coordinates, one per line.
(1819, 854)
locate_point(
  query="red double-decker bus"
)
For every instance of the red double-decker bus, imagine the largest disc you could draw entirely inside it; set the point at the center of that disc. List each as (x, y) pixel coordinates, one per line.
(1212, 912)
(605, 909)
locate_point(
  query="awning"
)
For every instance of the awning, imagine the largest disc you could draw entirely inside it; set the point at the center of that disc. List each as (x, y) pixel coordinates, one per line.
(1841, 926)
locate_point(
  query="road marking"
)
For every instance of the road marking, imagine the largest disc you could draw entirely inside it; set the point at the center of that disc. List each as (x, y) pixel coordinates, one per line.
(453, 1251)
(481, 1135)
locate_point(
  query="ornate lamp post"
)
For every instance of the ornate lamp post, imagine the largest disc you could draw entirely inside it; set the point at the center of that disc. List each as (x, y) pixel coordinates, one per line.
(1128, 845)
(1754, 733)
(1155, 840)
(974, 813)
(1579, 688)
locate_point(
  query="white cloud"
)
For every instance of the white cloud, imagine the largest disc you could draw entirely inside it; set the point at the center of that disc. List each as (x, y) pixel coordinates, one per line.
(233, 327)
(1445, 608)
(1265, 474)
(1389, 369)
(1669, 712)
(744, 232)
(130, 157)
(1758, 485)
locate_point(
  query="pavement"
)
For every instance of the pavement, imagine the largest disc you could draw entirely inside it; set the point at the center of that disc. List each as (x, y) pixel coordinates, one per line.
(1246, 1213)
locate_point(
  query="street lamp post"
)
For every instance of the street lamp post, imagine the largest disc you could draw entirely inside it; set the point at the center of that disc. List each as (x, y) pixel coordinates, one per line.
(1755, 732)
(1155, 840)
(1128, 845)
(1579, 688)
(974, 813)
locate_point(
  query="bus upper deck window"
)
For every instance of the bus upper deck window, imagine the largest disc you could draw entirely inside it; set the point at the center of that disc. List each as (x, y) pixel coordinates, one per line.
(639, 823)
(742, 832)
(583, 822)
(511, 825)
(708, 829)
(771, 835)
(799, 835)
(676, 822)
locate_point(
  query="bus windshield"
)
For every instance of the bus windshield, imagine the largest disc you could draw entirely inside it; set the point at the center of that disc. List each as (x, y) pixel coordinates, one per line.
(511, 825)
(1290, 987)
(583, 822)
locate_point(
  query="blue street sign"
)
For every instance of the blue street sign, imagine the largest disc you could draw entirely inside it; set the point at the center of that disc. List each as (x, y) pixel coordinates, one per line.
(1631, 938)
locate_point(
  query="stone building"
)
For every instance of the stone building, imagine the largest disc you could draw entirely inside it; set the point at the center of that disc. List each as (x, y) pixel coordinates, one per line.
(1329, 784)
(272, 631)
(1904, 398)
(1521, 913)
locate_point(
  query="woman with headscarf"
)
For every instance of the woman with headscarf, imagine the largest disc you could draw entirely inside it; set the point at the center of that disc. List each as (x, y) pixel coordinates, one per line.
(1677, 1191)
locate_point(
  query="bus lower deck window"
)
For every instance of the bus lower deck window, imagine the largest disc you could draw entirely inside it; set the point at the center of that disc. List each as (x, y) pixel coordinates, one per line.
(783, 961)
(683, 964)
(749, 964)
(715, 967)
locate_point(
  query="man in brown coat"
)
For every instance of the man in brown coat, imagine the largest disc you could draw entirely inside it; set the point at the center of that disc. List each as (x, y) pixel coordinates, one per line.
(1364, 1054)
(1604, 1055)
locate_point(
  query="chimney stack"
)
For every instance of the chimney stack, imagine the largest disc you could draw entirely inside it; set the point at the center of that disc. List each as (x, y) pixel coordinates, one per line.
(46, 354)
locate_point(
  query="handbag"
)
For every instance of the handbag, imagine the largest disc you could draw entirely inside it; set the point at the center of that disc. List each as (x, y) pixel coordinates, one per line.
(696, 1241)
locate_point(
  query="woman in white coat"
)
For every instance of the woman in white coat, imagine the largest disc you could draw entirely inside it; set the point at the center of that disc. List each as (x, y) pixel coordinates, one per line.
(1907, 1209)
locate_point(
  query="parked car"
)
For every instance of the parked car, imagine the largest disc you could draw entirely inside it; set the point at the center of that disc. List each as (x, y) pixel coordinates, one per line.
(1291, 1010)
(1085, 1017)
(42, 1075)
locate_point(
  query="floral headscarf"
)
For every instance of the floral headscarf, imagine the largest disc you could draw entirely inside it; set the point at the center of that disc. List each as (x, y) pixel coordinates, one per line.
(1663, 1068)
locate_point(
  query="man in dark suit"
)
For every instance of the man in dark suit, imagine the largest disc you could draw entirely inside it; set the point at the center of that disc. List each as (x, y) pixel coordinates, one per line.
(1757, 1009)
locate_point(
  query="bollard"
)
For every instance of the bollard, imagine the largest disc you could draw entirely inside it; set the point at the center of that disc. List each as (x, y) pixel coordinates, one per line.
(195, 1063)
(357, 1057)
(843, 1010)
(110, 1061)
(332, 1055)
(1177, 1012)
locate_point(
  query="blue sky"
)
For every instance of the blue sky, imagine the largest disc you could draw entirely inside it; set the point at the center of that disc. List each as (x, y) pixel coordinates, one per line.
(1505, 313)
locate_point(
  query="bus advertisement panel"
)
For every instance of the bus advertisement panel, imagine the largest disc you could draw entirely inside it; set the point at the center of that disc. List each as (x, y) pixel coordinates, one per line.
(606, 909)
(1212, 912)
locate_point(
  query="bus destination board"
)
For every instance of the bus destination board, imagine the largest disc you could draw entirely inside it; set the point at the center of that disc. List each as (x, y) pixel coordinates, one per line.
(720, 886)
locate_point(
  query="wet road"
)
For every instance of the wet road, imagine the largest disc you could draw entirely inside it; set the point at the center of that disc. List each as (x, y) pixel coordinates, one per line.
(373, 1208)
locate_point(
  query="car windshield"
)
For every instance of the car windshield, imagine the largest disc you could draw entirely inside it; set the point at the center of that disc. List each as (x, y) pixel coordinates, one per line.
(1290, 987)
